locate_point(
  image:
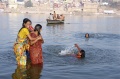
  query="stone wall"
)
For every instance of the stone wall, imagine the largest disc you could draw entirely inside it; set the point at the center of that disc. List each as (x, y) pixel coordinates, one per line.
(90, 7)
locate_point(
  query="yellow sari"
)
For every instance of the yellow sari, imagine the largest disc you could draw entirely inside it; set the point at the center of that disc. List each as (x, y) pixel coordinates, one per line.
(20, 46)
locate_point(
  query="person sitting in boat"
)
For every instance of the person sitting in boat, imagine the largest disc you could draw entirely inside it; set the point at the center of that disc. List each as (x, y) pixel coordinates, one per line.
(50, 16)
(62, 17)
(58, 16)
(81, 52)
(54, 16)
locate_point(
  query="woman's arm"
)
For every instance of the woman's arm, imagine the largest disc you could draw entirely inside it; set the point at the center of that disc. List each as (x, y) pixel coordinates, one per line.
(31, 38)
(33, 42)
(38, 38)
(42, 39)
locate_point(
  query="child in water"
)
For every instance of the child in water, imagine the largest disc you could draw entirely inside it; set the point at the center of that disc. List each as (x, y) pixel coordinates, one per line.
(87, 35)
(81, 53)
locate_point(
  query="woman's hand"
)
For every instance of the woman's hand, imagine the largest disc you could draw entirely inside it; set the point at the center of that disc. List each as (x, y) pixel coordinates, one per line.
(39, 38)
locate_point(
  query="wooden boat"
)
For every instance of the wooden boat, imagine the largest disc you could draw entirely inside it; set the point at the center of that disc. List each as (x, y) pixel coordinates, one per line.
(55, 24)
(55, 21)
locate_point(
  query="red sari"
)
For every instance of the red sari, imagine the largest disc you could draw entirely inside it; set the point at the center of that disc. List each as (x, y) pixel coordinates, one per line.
(36, 51)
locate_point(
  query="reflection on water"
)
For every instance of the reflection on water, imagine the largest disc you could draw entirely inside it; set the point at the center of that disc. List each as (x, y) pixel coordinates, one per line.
(54, 27)
(20, 73)
(34, 72)
(28, 72)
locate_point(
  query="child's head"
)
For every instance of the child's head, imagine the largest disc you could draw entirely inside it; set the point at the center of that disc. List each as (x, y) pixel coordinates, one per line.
(82, 53)
(38, 28)
(86, 35)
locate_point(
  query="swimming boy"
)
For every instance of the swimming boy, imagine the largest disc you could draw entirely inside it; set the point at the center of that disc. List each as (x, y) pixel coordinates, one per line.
(81, 53)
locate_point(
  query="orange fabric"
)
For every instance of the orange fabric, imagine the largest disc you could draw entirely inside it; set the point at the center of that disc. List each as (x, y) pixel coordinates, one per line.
(78, 56)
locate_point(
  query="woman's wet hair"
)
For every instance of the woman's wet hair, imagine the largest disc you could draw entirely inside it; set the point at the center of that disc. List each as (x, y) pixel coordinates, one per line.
(25, 20)
(83, 53)
(37, 28)
(87, 35)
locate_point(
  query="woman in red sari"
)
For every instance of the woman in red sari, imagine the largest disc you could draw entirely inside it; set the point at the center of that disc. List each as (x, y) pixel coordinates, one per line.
(36, 46)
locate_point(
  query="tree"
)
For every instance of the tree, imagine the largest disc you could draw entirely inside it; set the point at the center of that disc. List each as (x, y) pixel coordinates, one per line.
(28, 4)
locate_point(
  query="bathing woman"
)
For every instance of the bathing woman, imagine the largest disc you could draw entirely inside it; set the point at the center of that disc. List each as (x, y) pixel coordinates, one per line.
(21, 42)
(36, 46)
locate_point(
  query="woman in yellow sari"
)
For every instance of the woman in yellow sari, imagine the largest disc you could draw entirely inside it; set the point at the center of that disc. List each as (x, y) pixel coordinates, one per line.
(22, 42)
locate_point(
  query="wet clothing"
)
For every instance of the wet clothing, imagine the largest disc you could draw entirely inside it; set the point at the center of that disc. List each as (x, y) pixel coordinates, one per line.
(23, 33)
(36, 51)
(20, 46)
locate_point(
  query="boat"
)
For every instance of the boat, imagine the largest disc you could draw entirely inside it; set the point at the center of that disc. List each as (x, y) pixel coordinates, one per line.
(55, 21)
(55, 24)
(109, 12)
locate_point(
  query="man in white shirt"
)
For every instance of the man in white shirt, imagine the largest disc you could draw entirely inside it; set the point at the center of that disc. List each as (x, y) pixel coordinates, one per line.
(50, 16)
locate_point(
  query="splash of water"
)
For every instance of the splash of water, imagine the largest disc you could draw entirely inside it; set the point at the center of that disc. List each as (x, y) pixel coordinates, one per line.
(68, 50)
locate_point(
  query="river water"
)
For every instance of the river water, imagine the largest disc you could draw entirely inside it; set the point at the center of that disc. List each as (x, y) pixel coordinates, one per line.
(102, 48)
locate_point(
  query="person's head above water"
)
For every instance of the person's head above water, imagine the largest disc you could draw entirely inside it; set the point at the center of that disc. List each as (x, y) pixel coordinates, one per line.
(38, 28)
(82, 53)
(87, 35)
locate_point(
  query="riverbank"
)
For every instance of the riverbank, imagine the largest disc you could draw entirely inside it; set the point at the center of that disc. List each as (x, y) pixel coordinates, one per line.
(73, 11)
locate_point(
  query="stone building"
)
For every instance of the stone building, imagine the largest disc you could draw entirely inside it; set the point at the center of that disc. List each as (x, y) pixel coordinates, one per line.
(2, 5)
(116, 0)
(12, 4)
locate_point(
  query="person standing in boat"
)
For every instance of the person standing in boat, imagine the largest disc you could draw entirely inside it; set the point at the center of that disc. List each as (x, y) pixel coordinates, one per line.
(62, 17)
(58, 16)
(54, 16)
(36, 46)
(22, 41)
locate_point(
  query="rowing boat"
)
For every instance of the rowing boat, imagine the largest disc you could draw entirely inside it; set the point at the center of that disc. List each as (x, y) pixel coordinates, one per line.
(55, 21)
